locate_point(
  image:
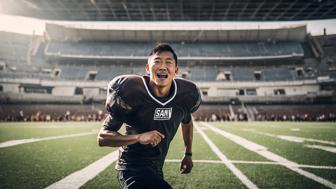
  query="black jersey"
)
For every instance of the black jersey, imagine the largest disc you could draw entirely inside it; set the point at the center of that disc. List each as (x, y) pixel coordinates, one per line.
(130, 101)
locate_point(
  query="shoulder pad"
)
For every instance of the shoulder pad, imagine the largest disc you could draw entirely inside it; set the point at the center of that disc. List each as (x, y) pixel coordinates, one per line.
(125, 90)
(123, 81)
(190, 93)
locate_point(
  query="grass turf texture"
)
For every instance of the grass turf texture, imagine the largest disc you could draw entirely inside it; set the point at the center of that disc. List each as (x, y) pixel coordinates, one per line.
(218, 176)
(232, 150)
(201, 149)
(202, 176)
(276, 176)
(106, 179)
(39, 164)
(314, 130)
(290, 150)
(324, 173)
(16, 131)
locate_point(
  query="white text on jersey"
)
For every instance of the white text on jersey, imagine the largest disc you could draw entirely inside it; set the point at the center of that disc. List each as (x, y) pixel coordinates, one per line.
(162, 113)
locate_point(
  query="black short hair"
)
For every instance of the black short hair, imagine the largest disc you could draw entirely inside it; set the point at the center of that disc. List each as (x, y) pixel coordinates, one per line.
(163, 47)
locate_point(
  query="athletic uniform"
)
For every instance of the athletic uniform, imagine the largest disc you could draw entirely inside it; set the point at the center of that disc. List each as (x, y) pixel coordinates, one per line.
(131, 101)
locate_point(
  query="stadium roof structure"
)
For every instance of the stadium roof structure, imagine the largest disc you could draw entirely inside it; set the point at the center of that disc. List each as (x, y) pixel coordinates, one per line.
(174, 33)
(171, 10)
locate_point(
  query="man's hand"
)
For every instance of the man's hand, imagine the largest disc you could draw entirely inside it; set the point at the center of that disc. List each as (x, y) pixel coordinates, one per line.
(186, 165)
(151, 137)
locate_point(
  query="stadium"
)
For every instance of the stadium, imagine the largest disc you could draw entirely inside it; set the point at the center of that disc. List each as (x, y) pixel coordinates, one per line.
(268, 112)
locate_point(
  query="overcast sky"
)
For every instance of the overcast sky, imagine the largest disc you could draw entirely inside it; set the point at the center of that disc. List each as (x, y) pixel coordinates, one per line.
(29, 26)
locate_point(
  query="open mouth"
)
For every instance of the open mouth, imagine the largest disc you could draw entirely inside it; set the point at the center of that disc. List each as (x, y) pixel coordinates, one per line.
(162, 75)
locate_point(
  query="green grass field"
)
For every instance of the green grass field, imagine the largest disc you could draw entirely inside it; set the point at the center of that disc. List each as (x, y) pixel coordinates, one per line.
(42, 163)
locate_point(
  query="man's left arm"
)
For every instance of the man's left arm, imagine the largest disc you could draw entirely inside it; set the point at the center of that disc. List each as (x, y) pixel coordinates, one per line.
(187, 128)
(187, 132)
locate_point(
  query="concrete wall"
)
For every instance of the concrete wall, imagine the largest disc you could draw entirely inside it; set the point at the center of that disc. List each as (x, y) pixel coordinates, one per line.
(63, 91)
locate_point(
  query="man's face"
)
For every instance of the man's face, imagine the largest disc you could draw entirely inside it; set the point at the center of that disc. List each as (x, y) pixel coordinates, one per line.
(162, 68)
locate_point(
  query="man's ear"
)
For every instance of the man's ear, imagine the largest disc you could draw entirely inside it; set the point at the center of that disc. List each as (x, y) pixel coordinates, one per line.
(176, 70)
(147, 68)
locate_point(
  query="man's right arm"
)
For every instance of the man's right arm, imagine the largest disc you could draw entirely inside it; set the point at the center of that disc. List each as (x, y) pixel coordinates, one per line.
(114, 138)
(109, 135)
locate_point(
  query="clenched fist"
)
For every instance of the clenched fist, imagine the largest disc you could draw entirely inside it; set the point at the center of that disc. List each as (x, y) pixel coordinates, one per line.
(186, 165)
(151, 137)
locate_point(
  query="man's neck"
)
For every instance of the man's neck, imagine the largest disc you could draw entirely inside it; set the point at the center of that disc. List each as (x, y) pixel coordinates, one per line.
(159, 91)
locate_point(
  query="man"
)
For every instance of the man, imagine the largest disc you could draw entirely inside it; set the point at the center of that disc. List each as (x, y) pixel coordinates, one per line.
(152, 108)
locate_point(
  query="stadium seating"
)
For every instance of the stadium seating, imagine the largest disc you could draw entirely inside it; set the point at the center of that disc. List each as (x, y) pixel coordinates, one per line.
(208, 50)
(242, 74)
(203, 73)
(222, 69)
(277, 73)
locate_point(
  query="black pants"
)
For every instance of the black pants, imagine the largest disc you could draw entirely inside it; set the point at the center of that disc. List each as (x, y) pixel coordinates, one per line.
(142, 178)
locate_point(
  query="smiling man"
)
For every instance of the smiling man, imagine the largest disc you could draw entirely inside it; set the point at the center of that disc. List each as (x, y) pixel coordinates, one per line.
(152, 108)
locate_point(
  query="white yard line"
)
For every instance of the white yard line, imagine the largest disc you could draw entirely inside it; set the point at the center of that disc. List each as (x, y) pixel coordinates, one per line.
(318, 167)
(290, 138)
(251, 162)
(270, 156)
(320, 141)
(246, 181)
(254, 162)
(195, 161)
(301, 140)
(221, 162)
(325, 148)
(79, 178)
(25, 141)
(294, 138)
(277, 163)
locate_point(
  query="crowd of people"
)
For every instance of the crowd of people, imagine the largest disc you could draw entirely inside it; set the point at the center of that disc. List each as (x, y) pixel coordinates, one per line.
(209, 117)
(67, 116)
(226, 116)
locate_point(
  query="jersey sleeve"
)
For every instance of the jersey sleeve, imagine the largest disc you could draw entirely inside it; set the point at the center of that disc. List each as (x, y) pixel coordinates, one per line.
(116, 106)
(112, 124)
(195, 105)
(186, 119)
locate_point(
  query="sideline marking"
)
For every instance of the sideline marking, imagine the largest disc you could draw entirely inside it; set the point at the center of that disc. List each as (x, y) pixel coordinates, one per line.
(79, 178)
(26, 141)
(246, 181)
(271, 156)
